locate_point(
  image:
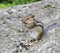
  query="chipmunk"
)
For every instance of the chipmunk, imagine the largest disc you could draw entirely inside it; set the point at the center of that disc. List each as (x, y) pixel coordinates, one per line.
(36, 29)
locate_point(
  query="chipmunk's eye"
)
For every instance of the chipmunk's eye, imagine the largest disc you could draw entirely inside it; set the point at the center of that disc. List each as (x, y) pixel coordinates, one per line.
(27, 18)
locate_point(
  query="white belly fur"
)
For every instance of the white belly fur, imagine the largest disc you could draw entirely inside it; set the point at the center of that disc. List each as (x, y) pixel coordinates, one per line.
(35, 32)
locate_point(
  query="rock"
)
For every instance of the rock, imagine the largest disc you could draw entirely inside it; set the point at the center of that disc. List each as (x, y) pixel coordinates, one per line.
(12, 31)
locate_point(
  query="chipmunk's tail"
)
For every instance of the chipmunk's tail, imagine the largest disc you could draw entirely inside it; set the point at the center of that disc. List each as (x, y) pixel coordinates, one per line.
(49, 27)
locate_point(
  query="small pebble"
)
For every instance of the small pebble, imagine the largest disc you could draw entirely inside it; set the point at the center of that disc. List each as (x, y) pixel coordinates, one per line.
(4, 22)
(19, 31)
(17, 51)
(32, 40)
(8, 18)
(7, 35)
(24, 46)
(18, 41)
(20, 50)
(19, 10)
(17, 46)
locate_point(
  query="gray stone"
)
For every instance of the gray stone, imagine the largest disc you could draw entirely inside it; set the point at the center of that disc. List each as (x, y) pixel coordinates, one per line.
(13, 32)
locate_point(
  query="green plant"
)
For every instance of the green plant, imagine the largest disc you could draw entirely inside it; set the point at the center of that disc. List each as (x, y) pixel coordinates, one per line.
(8, 3)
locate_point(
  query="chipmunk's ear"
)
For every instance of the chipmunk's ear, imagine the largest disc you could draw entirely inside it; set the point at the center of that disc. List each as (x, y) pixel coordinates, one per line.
(31, 16)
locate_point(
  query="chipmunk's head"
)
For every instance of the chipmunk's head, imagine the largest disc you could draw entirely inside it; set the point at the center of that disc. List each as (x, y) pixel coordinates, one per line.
(29, 21)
